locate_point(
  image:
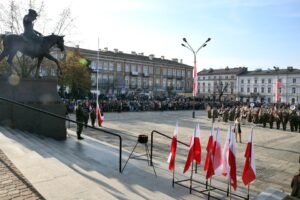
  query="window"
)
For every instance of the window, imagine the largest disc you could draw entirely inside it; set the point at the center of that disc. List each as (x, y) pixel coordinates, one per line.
(150, 82)
(119, 67)
(226, 77)
(169, 72)
(145, 70)
(164, 82)
(280, 91)
(255, 90)
(127, 67)
(242, 81)
(139, 69)
(178, 73)
(139, 82)
(157, 82)
(189, 74)
(215, 77)
(248, 89)
(208, 77)
(232, 77)
(294, 80)
(203, 77)
(126, 80)
(242, 89)
(145, 82)
(262, 90)
(203, 90)
(262, 80)
(157, 70)
(269, 80)
(248, 81)
(269, 90)
(150, 71)
(105, 66)
(255, 81)
(133, 68)
(183, 73)
(164, 71)
(174, 72)
(111, 66)
(294, 90)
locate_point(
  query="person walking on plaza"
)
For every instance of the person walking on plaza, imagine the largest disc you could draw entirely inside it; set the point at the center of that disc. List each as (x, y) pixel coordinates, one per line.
(86, 112)
(295, 185)
(79, 118)
(237, 129)
(93, 114)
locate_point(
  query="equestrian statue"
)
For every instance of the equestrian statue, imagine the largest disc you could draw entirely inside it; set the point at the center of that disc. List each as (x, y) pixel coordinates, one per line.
(31, 43)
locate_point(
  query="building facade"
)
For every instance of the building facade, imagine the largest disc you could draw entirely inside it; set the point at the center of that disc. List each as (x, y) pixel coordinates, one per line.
(219, 84)
(260, 85)
(120, 73)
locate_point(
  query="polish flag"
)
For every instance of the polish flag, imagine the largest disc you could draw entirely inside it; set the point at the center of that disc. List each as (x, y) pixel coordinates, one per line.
(217, 153)
(208, 165)
(249, 172)
(232, 160)
(277, 90)
(171, 159)
(195, 149)
(99, 117)
(225, 164)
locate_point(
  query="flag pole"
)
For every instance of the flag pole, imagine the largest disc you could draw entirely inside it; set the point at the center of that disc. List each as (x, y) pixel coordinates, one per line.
(209, 188)
(191, 179)
(173, 181)
(248, 196)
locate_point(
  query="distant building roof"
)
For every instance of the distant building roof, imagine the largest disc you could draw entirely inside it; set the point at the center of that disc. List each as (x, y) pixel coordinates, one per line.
(227, 70)
(260, 72)
(92, 54)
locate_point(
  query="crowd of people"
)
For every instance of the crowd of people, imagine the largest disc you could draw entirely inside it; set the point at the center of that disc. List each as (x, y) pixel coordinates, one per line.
(279, 115)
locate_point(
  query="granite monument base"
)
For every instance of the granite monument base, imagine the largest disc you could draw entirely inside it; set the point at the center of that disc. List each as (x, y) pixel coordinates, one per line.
(38, 93)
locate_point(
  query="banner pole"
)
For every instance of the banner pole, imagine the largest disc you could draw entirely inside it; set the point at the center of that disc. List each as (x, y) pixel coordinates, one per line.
(191, 179)
(173, 177)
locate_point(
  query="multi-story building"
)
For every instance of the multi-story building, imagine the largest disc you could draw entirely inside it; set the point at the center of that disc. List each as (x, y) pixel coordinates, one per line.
(215, 84)
(260, 85)
(120, 73)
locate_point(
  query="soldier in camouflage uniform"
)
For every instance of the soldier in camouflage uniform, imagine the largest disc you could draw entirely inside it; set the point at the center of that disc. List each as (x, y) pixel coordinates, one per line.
(271, 117)
(264, 116)
(209, 111)
(255, 117)
(226, 115)
(285, 118)
(277, 116)
(214, 114)
(293, 120)
(79, 118)
(249, 116)
(231, 113)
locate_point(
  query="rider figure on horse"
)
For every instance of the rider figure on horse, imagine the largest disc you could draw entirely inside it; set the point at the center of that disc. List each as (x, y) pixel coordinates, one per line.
(29, 33)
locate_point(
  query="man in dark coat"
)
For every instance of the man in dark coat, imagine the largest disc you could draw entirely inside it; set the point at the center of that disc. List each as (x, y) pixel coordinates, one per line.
(295, 185)
(79, 118)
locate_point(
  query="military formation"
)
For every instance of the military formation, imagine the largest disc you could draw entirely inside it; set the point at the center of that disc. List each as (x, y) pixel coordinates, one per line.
(273, 116)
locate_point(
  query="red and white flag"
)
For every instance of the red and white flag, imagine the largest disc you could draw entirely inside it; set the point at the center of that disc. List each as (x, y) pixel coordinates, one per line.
(229, 159)
(99, 117)
(277, 90)
(232, 161)
(208, 165)
(195, 149)
(171, 159)
(249, 172)
(225, 164)
(217, 152)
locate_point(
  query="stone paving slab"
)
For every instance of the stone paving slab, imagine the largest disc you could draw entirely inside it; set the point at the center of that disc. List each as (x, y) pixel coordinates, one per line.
(13, 184)
(88, 169)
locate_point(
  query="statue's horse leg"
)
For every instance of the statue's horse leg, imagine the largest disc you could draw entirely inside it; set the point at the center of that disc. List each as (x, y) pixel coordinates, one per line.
(11, 55)
(50, 57)
(40, 59)
(3, 54)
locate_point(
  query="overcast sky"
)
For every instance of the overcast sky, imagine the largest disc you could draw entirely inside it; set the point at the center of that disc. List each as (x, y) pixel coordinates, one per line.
(251, 33)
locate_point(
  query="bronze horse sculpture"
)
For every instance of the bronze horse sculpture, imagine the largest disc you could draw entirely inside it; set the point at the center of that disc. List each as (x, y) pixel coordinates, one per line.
(13, 43)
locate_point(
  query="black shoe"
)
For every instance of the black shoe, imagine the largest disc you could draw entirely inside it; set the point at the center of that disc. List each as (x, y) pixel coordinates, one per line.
(80, 138)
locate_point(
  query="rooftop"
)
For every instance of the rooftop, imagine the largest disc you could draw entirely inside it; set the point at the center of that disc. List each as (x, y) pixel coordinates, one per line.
(227, 70)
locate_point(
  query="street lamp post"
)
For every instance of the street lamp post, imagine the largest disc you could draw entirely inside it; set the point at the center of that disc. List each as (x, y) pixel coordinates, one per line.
(189, 47)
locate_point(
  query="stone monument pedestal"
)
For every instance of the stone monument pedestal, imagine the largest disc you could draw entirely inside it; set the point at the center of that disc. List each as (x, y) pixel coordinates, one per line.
(38, 93)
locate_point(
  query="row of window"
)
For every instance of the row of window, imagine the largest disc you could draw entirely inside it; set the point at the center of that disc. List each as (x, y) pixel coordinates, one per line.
(110, 66)
(294, 80)
(216, 77)
(226, 90)
(138, 81)
(262, 90)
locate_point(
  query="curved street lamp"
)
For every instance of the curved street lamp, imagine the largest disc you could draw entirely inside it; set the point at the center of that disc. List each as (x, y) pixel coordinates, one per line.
(189, 47)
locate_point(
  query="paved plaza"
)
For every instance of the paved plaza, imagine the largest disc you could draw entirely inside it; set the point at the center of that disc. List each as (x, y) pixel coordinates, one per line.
(277, 152)
(88, 169)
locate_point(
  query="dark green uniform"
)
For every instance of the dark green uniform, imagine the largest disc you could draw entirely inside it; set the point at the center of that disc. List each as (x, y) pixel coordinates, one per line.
(285, 118)
(271, 117)
(293, 121)
(79, 118)
(226, 115)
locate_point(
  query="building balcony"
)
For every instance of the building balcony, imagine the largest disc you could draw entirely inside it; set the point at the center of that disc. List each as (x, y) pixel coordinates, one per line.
(134, 73)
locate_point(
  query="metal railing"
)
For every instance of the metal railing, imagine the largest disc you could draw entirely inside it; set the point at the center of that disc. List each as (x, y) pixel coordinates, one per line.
(70, 120)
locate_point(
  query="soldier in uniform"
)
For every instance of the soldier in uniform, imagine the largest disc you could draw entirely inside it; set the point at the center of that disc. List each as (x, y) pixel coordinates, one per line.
(231, 113)
(285, 117)
(226, 114)
(214, 113)
(79, 118)
(249, 115)
(277, 116)
(293, 120)
(271, 117)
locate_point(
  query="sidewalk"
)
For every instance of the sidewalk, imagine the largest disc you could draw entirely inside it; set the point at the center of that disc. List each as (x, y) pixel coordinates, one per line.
(88, 169)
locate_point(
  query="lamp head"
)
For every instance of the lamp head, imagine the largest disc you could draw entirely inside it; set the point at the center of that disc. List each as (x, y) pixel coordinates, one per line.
(183, 45)
(208, 39)
(184, 39)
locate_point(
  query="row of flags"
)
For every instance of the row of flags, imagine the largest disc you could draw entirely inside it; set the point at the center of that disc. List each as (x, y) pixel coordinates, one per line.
(217, 162)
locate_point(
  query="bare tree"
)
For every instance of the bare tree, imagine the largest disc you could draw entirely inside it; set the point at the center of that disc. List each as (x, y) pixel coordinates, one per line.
(221, 88)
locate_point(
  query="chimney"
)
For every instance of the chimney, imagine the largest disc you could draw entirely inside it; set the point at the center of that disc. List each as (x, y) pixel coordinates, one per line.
(181, 61)
(116, 50)
(77, 46)
(105, 49)
(162, 57)
(133, 52)
(151, 56)
(141, 54)
(175, 59)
